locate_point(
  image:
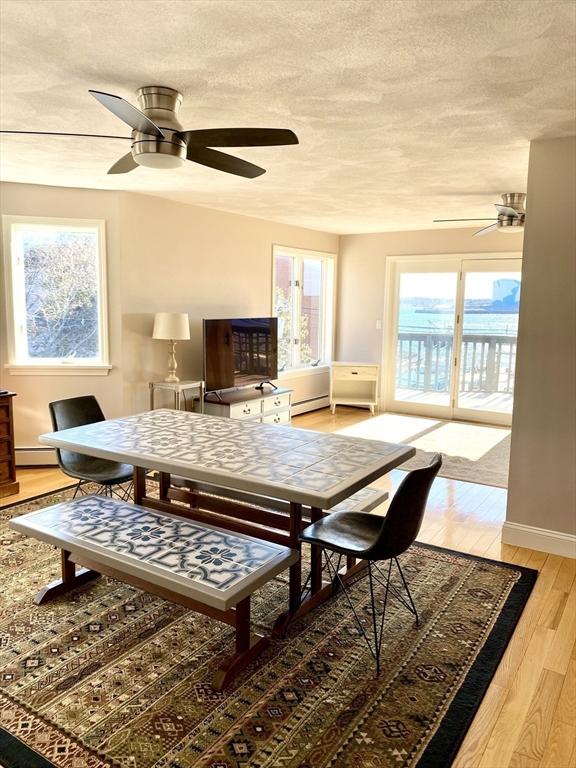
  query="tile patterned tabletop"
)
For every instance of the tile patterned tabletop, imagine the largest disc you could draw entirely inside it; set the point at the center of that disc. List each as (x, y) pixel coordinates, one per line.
(200, 561)
(313, 468)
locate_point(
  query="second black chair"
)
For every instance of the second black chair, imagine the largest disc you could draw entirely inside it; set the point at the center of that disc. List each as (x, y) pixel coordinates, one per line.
(109, 475)
(374, 538)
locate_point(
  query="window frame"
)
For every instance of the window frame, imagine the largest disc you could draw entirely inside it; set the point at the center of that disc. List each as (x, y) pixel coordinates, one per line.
(14, 308)
(327, 302)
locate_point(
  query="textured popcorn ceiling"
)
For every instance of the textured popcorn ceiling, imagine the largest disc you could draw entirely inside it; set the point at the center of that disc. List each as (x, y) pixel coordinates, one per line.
(406, 110)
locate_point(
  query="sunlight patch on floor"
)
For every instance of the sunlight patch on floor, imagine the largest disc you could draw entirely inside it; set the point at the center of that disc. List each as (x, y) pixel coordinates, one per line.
(390, 427)
(470, 441)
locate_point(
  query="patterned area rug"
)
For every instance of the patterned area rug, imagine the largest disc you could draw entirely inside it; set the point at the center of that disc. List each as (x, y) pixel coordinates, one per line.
(110, 677)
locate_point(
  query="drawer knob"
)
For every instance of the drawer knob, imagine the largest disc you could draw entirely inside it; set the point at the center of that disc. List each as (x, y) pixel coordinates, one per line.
(246, 410)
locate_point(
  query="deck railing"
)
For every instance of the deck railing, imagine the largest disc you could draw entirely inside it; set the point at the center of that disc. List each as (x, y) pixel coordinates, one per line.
(486, 365)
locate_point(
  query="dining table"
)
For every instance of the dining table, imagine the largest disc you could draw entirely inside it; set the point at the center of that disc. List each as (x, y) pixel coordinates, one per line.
(261, 480)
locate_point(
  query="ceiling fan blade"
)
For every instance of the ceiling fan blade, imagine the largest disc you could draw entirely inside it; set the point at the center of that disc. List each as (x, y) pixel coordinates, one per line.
(223, 162)
(486, 230)
(82, 135)
(239, 137)
(507, 211)
(126, 112)
(492, 219)
(125, 164)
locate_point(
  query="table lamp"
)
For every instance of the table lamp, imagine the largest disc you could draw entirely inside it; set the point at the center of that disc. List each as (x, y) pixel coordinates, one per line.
(173, 327)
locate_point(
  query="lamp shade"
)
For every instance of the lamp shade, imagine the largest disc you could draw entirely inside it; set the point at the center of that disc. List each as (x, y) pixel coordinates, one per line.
(173, 326)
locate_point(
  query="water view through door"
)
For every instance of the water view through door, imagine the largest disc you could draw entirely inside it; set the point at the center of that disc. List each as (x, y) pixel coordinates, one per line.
(425, 337)
(455, 331)
(487, 356)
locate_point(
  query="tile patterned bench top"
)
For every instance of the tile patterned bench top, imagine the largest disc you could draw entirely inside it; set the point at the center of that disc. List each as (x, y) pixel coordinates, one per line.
(363, 500)
(205, 563)
(297, 465)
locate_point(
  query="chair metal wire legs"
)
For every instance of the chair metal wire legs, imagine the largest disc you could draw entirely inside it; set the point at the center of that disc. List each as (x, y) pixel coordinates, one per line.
(119, 491)
(376, 577)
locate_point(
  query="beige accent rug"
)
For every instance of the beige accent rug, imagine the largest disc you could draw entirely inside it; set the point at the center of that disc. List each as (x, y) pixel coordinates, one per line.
(471, 452)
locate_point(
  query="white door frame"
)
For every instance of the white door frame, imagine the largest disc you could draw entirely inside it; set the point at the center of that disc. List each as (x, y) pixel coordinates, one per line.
(451, 262)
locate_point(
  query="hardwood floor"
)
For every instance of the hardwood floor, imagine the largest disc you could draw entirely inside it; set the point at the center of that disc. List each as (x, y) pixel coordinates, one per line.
(528, 716)
(36, 481)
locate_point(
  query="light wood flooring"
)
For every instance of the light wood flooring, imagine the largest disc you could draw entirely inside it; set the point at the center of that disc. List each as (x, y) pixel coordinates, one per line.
(528, 716)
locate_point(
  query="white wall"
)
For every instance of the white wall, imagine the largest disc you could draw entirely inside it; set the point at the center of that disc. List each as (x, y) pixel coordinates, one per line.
(361, 278)
(182, 258)
(542, 487)
(162, 256)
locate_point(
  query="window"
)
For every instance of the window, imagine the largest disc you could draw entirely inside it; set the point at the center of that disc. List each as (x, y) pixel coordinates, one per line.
(304, 304)
(56, 292)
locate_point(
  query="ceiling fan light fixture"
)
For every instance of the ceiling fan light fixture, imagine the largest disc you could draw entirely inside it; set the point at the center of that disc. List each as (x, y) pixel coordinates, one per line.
(159, 160)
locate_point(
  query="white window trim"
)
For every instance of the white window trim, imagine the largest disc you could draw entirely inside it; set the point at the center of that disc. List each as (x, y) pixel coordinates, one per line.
(327, 331)
(69, 367)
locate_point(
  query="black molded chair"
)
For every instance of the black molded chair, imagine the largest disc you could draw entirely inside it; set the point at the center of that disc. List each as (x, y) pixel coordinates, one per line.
(76, 412)
(375, 538)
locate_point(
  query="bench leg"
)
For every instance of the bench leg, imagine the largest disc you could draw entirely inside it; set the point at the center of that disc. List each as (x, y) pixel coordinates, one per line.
(248, 647)
(71, 578)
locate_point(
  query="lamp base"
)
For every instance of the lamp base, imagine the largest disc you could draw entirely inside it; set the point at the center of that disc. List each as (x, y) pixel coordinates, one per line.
(172, 364)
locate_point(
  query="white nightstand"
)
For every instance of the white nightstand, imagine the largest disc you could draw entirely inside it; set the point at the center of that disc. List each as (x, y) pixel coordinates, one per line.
(354, 384)
(178, 388)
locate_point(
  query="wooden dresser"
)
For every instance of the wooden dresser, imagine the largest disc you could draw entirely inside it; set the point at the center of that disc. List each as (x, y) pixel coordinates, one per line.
(8, 482)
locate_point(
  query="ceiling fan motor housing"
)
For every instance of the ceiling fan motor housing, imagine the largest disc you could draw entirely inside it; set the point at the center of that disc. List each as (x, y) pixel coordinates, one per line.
(161, 105)
(514, 200)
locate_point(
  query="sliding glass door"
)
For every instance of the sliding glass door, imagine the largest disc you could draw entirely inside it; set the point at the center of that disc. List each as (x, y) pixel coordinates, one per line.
(488, 337)
(452, 343)
(426, 303)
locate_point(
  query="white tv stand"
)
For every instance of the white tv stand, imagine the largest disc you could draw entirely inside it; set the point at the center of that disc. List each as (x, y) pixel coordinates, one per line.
(267, 406)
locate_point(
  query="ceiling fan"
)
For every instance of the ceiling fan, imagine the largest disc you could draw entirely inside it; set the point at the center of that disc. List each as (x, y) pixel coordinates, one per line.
(511, 215)
(159, 141)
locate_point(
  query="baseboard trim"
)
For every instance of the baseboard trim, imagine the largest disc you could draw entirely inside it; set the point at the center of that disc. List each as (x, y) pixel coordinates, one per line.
(35, 457)
(542, 539)
(310, 405)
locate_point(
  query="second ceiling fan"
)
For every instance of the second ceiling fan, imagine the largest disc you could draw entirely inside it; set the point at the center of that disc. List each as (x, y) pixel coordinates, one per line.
(159, 141)
(511, 215)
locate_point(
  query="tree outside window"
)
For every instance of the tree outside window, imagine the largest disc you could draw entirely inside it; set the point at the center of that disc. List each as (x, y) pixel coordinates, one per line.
(57, 296)
(303, 290)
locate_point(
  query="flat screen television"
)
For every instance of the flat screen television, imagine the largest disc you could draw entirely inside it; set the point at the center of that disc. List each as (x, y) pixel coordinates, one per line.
(240, 351)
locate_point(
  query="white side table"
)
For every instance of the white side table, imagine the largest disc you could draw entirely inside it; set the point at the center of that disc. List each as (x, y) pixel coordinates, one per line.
(354, 384)
(177, 388)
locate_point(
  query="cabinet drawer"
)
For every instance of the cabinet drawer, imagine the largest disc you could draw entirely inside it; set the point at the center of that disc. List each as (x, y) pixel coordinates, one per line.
(277, 418)
(5, 411)
(365, 372)
(6, 471)
(246, 410)
(5, 449)
(276, 402)
(4, 429)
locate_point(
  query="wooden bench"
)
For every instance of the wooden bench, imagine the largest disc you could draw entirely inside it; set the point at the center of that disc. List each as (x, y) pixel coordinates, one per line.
(202, 567)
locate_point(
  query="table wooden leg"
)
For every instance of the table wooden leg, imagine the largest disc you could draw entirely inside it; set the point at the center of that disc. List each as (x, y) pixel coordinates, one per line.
(248, 646)
(71, 578)
(139, 484)
(164, 485)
